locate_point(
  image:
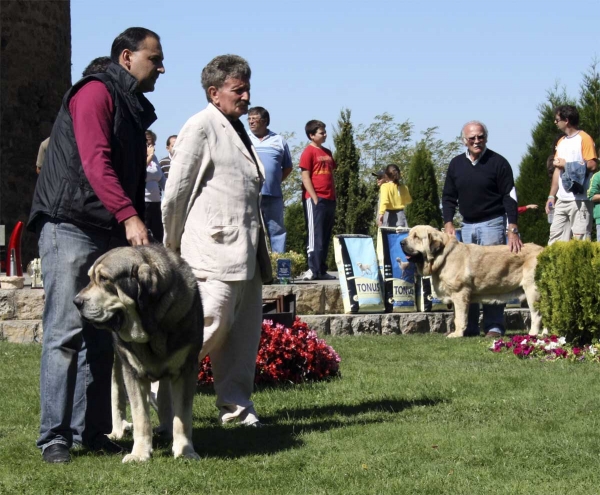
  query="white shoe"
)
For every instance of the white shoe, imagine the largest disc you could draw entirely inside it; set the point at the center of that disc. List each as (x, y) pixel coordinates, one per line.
(308, 275)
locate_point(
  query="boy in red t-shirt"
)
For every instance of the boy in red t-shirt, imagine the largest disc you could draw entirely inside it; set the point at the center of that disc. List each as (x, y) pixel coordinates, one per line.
(318, 193)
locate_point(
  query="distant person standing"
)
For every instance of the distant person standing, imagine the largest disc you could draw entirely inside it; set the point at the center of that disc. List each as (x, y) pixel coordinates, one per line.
(155, 185)
(318, 187)
(165, 163)
(574, 162)
(275, 156)
(593, 194)
(394, 197)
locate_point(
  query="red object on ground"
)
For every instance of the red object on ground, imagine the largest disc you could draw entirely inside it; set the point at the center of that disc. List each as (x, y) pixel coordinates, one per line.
(15, 243)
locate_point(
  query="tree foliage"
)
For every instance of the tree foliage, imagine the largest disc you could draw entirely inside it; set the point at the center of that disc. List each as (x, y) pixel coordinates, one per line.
(422, 185)
(383, 142)
(441, 153)
(534, 180)
(589, 102)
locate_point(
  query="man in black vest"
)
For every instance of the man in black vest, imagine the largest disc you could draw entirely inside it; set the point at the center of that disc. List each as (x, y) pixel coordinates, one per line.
(88, 199)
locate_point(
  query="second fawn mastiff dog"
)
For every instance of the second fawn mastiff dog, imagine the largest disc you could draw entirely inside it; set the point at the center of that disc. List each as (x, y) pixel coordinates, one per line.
(468, 273)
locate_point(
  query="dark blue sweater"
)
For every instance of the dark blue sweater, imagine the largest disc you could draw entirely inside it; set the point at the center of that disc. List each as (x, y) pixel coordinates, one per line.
(482, 192)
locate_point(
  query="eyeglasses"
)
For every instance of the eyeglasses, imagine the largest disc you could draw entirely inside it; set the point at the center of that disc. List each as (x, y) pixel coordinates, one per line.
(481, 137)
(556, 121)
(254, 119)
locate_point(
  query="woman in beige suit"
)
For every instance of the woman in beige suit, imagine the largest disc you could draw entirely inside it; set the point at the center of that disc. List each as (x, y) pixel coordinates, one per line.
(211, 214)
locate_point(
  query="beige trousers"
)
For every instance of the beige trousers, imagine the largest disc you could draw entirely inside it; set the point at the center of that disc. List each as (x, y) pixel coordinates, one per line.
(571, 217)
(232, 326)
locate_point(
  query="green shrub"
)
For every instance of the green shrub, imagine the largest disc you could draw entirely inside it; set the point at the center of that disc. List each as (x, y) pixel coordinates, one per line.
(568, 279)
(299, 264)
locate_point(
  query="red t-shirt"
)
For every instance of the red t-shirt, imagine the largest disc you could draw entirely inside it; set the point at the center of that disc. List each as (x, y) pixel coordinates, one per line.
(319, 162)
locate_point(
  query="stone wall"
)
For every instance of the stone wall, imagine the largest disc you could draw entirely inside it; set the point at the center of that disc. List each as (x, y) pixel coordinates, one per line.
(318, 305)
(35, 73)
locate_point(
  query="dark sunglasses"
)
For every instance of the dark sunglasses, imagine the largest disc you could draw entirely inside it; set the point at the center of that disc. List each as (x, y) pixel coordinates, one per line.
(481, 137)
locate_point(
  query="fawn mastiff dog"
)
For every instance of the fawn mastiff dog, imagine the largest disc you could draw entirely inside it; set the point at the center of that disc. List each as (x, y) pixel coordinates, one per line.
(468, 273)
(148, 298)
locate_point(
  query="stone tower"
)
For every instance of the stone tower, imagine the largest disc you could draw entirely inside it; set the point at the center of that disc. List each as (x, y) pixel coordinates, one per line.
(35, 73)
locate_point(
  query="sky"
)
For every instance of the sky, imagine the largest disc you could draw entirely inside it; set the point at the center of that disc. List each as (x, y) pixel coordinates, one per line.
(435, 63)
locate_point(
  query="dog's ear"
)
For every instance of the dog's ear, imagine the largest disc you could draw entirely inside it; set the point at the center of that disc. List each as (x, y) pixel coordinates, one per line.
(147, 294)
(436, 244)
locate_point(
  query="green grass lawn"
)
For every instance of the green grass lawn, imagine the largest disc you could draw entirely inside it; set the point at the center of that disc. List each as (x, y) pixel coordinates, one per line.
(411, 414)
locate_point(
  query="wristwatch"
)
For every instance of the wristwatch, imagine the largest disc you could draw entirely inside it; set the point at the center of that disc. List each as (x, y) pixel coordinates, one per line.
(514, 230)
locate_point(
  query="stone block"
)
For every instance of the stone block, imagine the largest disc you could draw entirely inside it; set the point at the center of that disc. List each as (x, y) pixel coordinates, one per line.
(390, 324)
(318, 323)
(7, 304)
(341, 324)
(439, 322)
(20, 332)
(272, 291)
(366, 324)
(310, 299)
(29, 304)
(414, 322)
(334, 304)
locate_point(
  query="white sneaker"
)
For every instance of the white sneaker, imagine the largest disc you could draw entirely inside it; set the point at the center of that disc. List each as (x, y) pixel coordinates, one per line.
(308, 275)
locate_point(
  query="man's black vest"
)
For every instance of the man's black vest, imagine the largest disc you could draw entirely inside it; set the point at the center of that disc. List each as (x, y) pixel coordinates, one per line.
(63, 191)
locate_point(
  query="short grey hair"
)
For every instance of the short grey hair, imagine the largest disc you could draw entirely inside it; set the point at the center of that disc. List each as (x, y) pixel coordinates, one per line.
(222, 67)
(473, 122)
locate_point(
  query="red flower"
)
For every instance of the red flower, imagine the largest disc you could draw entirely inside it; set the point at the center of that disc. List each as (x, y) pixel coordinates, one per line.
(287, 355)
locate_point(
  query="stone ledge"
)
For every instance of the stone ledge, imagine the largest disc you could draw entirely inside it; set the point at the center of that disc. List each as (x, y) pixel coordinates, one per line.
(401, 323)
(28, 331)
(21, 331)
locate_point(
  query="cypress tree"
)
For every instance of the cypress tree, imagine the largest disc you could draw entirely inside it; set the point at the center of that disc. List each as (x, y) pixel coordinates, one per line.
(533, 183)
(422, 185)
(589, 103)
(346, 175)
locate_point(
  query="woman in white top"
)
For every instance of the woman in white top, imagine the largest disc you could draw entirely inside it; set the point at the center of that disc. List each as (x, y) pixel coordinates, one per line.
(155, 185)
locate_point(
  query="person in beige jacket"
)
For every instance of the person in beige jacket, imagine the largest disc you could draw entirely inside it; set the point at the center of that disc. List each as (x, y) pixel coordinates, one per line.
(211, 215)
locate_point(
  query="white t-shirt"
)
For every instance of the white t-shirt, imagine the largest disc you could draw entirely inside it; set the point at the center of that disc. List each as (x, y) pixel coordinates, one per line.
(576, 148)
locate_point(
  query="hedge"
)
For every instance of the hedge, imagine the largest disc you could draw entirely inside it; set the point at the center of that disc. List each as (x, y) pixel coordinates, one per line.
(568, 279)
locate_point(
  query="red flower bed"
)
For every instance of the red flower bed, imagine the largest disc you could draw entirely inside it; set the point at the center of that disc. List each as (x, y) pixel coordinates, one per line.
(547, 348)
(287, 355)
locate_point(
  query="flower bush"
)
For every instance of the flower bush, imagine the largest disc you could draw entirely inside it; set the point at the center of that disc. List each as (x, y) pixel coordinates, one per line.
(287, 355)
(548, 348)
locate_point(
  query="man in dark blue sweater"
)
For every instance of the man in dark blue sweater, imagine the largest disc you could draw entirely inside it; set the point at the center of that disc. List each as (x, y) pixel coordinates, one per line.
(479, 182)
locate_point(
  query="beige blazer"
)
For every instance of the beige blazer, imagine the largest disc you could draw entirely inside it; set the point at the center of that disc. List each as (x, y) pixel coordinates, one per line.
(211, 207)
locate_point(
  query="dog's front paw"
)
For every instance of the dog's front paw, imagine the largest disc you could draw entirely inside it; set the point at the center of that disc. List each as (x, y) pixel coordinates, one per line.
(533, 333)
(118, 433)
(454, 335)
(545, 332)
(136, 458)
(186, 451)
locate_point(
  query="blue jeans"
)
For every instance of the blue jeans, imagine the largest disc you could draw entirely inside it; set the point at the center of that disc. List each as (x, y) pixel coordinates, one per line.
(77, 359)
(272, 210)
(490, 233)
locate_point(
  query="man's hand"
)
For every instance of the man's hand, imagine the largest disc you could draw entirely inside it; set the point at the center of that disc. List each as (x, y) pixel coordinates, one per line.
(514, 242)
(449, 229)
(380, 220)
(548, 203)
(135, 231)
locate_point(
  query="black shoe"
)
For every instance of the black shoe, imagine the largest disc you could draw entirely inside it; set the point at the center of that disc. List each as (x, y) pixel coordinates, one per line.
(106, 446)
(56, 453)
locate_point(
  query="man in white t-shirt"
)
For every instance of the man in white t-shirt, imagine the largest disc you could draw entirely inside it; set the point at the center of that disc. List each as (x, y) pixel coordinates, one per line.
(572, 209)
